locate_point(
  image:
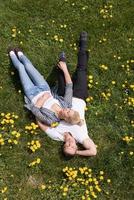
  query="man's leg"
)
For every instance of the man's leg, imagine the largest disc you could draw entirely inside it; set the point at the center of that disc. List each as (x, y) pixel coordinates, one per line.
(60, 76)
(26, 82)
(80, 89)
(33, 73)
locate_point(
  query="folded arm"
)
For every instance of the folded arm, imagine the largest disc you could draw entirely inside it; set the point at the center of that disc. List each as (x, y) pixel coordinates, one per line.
(38, 114)
(41, 100)
(90, 148)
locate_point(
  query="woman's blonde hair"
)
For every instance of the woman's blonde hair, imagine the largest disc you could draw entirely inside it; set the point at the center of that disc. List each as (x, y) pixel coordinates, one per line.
(75, 119)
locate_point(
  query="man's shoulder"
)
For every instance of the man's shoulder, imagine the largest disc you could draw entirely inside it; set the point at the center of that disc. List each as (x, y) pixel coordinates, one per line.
(78, 100)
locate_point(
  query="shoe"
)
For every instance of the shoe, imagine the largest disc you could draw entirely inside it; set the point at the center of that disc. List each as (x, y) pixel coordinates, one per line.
(62, 56)
(10, 49)
(17, 49)
(83, 41)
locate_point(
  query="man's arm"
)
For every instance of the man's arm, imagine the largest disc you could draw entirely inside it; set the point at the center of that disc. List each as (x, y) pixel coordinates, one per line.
(90, 148)
(51, 132)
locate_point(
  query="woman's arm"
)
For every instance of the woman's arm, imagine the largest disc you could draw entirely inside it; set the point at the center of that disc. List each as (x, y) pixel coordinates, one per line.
(63, 66)
(43, 127)
(41, 117)
(38, 113)
(41, 100)
(69, 85)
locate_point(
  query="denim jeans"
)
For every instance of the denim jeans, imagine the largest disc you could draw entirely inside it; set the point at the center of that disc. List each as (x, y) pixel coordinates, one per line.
(80, 89)
(32, 81)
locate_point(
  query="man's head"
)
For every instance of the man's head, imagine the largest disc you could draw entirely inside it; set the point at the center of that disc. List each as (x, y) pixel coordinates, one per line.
(70, 116)
(70, 146)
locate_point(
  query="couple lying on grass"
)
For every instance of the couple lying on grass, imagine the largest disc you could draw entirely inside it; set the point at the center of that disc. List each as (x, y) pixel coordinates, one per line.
(66, 107)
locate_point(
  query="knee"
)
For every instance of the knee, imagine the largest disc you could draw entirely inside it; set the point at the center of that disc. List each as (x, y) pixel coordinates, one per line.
(20, 66)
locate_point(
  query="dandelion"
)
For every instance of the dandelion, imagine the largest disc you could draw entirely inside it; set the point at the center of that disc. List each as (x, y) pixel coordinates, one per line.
(65, 189)
(4, 190)
(61, 40)
(64, 194)
(12, 73)
(131, 153)
(109, 180)
(43, 187)
(113, 82)
(103, 67)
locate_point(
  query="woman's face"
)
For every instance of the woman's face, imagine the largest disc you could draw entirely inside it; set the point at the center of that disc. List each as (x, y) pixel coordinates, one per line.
(70, 146)
(66, 113)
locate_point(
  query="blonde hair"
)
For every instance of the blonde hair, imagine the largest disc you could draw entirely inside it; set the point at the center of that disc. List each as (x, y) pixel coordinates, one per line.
(75, 119)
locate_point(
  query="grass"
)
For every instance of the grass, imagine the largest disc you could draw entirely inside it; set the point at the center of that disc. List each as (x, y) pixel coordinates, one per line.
(32, 25)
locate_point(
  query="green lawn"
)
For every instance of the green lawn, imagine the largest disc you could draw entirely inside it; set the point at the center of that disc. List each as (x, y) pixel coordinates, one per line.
(43, 28)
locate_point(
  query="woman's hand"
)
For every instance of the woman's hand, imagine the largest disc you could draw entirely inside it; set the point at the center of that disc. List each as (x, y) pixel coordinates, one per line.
(42, 126)
(41, 100)
(62, 65)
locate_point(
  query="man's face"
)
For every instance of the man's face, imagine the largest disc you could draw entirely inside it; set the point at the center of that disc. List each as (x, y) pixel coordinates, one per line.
(70, 146)
(66, 113)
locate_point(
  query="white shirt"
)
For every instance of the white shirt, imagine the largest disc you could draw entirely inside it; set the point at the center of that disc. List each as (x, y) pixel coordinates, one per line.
(49, 102)
(79, 133)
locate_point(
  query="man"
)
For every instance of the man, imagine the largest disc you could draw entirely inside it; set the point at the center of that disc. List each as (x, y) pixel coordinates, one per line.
(73, 134)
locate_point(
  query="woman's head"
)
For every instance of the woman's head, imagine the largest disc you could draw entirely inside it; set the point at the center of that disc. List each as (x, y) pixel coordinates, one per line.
(70, 116)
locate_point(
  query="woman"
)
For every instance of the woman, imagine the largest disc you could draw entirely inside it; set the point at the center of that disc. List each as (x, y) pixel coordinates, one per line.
(47, 106)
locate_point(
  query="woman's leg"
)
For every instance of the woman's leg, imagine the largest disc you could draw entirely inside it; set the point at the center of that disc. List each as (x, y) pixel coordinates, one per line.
(80, 89)
(26, 82)
(33, 73)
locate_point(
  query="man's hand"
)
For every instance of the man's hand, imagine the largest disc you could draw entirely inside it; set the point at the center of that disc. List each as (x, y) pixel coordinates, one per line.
(39, 103)
(90, 148)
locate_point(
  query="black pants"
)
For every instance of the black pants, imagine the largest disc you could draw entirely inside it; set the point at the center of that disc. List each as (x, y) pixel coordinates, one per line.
(79, 78)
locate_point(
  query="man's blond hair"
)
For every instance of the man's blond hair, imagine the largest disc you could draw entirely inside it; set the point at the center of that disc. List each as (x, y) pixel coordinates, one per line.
(75, 119)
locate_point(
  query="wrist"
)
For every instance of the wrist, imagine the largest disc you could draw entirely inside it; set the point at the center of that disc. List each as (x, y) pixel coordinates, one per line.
(65, 71)
(38, 106)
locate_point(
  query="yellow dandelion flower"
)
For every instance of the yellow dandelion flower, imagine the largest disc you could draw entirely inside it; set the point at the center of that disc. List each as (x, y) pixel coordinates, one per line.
(15, 141)
(43, 187)
(38, 160)
(61, 40)
(131, 153)
(101, 177)
(65, 189)
(109, 180)
(4, 190)
(113, 82)
(64, 194)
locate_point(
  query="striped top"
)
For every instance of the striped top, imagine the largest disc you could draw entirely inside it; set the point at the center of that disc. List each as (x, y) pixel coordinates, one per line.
(47, 116)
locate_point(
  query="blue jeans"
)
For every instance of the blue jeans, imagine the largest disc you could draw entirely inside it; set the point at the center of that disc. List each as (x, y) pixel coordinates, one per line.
(32, 81)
